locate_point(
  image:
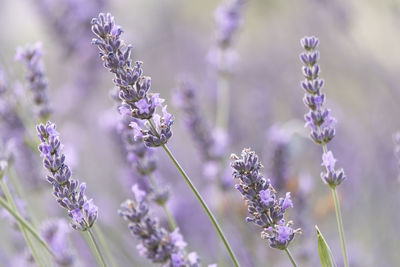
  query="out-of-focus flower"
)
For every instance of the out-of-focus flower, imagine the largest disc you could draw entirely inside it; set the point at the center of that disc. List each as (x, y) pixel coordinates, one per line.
(156, 243)
(55, 233)
(31, 57)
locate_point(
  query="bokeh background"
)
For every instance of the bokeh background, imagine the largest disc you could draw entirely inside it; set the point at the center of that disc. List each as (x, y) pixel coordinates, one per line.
(360, 64)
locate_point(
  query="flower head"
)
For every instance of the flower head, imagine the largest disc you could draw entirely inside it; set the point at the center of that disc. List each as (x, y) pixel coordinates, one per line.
(156, 243)
(70, 194)
(31, 57)
(265, 209)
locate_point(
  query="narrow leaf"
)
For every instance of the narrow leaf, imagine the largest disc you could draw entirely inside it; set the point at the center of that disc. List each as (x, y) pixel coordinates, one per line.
(324, 251)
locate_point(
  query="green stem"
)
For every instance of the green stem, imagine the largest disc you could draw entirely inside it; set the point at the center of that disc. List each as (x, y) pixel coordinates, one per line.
(202, 202)
(26, 224)
(290, 257)
(28, 240)
(340, 227)
(223, 100)
(104, 245)
(338, 218)
(170, 218)
(99, 255)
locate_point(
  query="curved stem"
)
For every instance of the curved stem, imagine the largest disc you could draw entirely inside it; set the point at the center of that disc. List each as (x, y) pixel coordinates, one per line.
(104, 245)
(97, 248)
(26, 224)
(205, 207)
(170, 218)
(290, 257)
(28, 240)
(340, 227)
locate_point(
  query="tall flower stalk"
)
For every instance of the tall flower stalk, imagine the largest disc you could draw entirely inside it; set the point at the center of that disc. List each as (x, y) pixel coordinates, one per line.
(137, 102)
(141, 159)
(69, 192)
(21, 225)
(322, 125)
(228, 18)
(31, 57)
(266, 210)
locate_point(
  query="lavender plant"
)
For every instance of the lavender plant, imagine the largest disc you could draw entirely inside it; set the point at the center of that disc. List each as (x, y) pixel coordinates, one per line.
(156, 243)
(10, 205)
(228, 18)
(322, 124)
(69, 192)
(266, 210)
(136, 100)
(31, 57)
(142, 161)
(209, 144)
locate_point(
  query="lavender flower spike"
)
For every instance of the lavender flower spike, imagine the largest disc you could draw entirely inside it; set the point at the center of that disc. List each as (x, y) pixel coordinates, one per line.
(31, 57)
(133, 85)
(322, 125)
(157, 244)
(319, 118)
(265, 208)
(70, 193)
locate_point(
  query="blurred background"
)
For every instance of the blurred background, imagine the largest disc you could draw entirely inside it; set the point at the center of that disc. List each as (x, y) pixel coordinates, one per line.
(360, 64)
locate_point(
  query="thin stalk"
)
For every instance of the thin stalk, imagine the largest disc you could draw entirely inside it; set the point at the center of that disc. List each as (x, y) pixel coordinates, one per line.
(170, 218)
(203, 203)
(104, 245)
(26, 224)
(96, 247)
(21, 226)
(223, 100)
(290, 257)
(340, 227)
(21, 192)
(338, 219)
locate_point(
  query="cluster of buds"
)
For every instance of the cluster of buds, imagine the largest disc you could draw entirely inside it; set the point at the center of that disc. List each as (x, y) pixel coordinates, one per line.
(31, 57)
(266, 210)
(319, 118)
(136, 101)
(70, 193)
(156, 243)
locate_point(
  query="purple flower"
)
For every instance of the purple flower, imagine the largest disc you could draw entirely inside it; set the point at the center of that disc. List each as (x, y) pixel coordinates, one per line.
(287, 202)
(133, 86)
(31, 57)
(266, 197)
(138, 193)
(143, 106)
(156, 243)
(70, 194)
(266, 211)
(228, 18)
(284, 233)
(195, 121)
(55, 233)
(328, 161)
(177, 260)
(319, 118)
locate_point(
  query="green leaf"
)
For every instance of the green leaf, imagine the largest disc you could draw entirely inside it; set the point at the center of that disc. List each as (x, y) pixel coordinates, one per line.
(324, 251)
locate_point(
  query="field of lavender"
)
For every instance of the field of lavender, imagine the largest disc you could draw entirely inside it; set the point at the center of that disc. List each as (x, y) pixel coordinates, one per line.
(199, 133)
